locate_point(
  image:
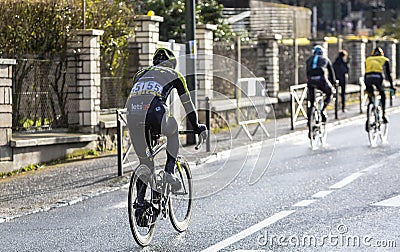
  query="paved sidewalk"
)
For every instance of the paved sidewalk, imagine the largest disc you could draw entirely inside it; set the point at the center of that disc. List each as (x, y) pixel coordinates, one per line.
(74, 181)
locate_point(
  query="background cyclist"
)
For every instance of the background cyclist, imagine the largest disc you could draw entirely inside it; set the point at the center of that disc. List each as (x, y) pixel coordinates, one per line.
(320, 75)
(147, 105)
(375, 65)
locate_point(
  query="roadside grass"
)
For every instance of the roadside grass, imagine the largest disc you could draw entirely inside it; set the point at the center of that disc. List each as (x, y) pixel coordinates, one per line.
(76, 155)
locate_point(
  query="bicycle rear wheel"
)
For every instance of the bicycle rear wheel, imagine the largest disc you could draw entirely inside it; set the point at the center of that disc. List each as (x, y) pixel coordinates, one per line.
(142, 222)
(372, 125)
(382, 128)
(180, 203)
(321, 129)
(314, 128)
(323, 134)
(384, 132)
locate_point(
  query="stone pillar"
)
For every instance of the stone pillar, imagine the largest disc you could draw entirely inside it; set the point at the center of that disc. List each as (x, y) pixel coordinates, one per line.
(389, 48)
(356, 49)
(5, 110)
(268, 62)
(85, 94)
(397, 57)
(204, 62)
(325, 45)
(144, 43)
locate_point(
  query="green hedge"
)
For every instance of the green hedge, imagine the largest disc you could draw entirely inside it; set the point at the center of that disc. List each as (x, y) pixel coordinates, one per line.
(42, 28)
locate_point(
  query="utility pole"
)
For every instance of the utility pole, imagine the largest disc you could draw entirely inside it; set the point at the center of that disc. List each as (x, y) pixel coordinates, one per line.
(314, 22)
(238, 76)
(295, 50)
(83, 14)
(190, 59)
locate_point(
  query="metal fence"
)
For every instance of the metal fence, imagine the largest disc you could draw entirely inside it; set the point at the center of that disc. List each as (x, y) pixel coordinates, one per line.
(227, 69)
(115, 78)
(40, 94)
(287, 65)
(271, 19)
(114, 91)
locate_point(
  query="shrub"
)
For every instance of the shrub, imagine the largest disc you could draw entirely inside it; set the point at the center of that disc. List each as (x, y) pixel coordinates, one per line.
(42, 27)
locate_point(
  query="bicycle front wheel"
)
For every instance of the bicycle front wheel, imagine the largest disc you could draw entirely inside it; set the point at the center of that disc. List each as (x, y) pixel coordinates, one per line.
(180, 202)
(384, 132)
(142, 215)
(324, 135)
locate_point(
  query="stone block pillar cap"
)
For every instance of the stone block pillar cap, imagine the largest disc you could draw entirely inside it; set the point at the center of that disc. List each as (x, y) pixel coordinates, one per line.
(90, 32)
(266, 36)
(356, 39)
(149, 18)
(207, 27)
(8, 62)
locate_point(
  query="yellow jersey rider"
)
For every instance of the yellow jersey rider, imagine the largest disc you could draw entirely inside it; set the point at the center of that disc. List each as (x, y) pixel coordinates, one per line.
(376, 67)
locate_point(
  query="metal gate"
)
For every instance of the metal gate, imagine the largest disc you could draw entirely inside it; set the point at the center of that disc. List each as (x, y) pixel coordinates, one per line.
(298, 105)
(124, 144)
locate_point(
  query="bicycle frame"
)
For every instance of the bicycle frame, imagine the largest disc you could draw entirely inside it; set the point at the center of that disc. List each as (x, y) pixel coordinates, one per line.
(158, 184)
(155, 148)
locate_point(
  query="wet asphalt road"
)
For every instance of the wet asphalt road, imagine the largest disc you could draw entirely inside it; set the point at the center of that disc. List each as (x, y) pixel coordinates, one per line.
(305, 200)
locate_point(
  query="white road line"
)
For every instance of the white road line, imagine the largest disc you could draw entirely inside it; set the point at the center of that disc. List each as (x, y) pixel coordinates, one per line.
(388, 159)
(249, 231)
(321, 194)
(347, 180)
(392, 202)
(304, 203)
(372, 167)
(123, 204)
(250, 250)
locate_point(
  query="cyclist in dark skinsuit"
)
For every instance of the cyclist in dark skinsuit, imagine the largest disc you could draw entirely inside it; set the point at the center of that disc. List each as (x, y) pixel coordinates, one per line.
(318, 67)
(146, 107)
(374, 67)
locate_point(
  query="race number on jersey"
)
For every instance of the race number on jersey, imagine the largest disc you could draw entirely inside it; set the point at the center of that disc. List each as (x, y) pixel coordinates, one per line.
(146, 87)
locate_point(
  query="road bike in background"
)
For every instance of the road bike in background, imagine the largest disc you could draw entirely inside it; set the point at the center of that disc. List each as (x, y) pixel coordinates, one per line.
(160, 201)
(316, 126)
(377, 130)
